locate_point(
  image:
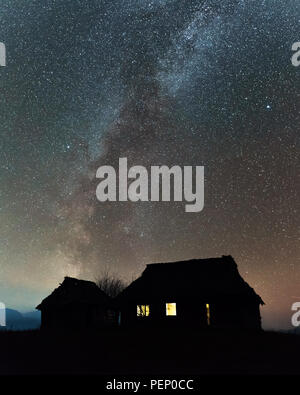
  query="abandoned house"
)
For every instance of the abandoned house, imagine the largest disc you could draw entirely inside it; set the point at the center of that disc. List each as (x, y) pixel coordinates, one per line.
(76, 304)
(199, 292)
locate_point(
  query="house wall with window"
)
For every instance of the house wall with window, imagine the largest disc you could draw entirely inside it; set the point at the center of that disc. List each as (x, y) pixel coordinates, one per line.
(203, 293)
(161, 312)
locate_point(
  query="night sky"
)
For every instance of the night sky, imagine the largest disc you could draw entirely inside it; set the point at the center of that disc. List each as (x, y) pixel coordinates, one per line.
(161, 82)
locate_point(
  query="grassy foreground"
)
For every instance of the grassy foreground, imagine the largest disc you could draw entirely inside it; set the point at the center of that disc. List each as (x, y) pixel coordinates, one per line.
(149, 352)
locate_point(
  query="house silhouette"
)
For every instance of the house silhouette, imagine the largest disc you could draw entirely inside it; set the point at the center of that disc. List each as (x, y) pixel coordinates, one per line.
(76, 304)
(198, 292)
(204, 293)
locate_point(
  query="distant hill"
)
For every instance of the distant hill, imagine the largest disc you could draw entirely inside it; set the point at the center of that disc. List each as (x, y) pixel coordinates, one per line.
(22, 321)
(294, 331)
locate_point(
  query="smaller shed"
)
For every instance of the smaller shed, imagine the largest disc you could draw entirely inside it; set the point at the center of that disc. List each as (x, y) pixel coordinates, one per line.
(76, 304)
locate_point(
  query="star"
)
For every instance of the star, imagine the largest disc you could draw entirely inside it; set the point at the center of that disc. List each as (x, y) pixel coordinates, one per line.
(162, 83)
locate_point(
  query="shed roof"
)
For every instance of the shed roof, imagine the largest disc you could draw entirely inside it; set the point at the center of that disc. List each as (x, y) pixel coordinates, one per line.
(73, 290)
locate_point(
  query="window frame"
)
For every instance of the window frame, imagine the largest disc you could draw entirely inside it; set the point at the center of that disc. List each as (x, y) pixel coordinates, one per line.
(171, 303)
(140, 312)
(208, 314)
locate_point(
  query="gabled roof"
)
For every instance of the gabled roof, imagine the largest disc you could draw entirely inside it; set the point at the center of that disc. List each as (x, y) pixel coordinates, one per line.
(73, 290)
(213, 277)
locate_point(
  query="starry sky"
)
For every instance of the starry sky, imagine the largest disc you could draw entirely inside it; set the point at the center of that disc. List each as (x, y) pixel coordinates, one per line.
(161, 82)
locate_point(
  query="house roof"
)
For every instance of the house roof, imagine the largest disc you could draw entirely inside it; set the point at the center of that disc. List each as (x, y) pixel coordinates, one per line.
(73, 290)
(213, 277)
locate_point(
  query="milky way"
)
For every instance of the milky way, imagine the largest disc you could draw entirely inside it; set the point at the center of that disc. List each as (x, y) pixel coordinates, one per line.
(159, 82)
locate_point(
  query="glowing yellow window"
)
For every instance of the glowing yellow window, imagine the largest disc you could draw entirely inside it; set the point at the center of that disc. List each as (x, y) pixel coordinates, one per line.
(143, 310)
(170, 308)
(208, 314)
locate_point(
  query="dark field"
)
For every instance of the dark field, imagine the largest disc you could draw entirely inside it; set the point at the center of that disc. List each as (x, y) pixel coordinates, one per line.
(149, 352)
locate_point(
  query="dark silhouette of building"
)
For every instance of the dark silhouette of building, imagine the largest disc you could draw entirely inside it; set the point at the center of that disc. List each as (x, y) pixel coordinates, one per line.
(76, 304)
(199, 292)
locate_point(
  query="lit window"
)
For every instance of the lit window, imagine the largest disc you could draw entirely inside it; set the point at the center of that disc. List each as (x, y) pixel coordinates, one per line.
(143, 310)
(171, 308)
(208, 314)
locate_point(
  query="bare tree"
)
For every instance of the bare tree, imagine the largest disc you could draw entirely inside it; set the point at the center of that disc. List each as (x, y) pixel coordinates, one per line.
(110, 284)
